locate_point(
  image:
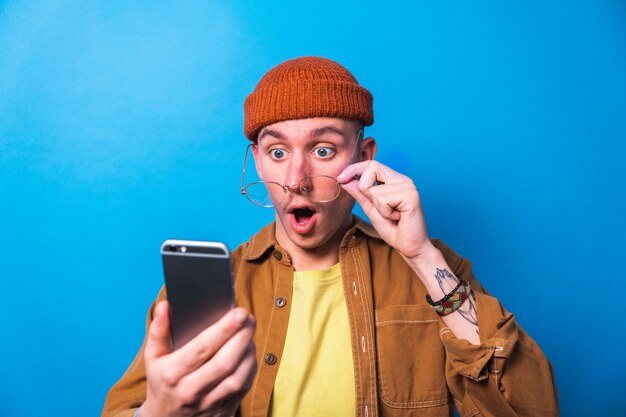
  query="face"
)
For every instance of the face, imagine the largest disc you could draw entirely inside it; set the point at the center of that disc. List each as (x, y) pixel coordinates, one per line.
(288, 151)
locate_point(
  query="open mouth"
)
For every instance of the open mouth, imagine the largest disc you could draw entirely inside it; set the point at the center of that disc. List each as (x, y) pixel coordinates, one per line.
(303, 215)
(303, 219)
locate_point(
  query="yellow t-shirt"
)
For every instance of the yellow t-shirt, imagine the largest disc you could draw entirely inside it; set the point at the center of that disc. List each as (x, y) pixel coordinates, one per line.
(316, 374)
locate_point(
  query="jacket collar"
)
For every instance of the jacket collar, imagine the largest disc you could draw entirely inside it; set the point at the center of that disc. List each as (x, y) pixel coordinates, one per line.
(265, 239)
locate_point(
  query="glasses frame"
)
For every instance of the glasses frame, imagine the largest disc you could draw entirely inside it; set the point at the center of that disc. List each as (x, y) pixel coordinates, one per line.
(287, 188)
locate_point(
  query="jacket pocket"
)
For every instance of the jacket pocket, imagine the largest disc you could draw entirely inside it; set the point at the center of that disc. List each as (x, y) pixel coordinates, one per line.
(411, 357)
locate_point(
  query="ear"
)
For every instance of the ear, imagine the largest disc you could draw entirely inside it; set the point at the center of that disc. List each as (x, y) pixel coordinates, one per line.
(255, 154)
(368, 148)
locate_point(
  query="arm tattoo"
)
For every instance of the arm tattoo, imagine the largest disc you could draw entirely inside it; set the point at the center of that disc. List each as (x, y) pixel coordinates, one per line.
(469, 313)
(444, 277)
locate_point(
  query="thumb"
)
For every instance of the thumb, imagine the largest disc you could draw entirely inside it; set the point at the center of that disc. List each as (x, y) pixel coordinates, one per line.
(352, 188)
(158, 342)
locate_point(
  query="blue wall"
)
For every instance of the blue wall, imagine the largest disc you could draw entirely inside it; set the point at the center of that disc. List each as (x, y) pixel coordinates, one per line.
(121, 126)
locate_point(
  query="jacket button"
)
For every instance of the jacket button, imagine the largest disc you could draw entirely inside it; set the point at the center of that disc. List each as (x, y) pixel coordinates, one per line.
(270, 359)
(277, 255)
(280, 302)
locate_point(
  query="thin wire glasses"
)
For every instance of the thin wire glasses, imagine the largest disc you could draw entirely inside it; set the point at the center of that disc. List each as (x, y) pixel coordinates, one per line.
(317, 188)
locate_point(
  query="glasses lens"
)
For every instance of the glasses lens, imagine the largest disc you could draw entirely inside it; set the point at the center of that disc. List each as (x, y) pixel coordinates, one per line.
(260, 193)
(320, 188)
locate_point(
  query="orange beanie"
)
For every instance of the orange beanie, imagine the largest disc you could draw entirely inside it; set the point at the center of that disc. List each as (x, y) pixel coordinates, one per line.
(306, 87)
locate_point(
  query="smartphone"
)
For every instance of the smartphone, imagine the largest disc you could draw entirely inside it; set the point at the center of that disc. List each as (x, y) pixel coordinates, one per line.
(199, 284)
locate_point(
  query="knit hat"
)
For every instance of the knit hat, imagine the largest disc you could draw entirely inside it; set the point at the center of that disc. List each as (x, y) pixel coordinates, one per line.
(306, 87)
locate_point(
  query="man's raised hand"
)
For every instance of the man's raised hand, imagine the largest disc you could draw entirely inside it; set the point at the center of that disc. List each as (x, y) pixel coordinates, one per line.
(391, 202)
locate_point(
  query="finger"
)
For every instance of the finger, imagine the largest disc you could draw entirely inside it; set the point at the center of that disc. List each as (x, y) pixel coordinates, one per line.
(352, 171)
(393, 199)
(367, 204)
(352, 188)
(383, 198)
(225, 362)
(158, 343)
(382, 173)
(233, 388)
(388, 212)
(368, 179)
(202, 347)
(382, 202)
(357, 180)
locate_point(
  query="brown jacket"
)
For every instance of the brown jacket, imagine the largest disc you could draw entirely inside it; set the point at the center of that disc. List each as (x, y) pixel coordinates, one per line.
(406, 362)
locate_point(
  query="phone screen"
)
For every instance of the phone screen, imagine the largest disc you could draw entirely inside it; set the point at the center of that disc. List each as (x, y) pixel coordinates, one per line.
(198, 280)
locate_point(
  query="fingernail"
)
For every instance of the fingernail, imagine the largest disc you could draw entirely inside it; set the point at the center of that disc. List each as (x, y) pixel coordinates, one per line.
(341, 176)
(240, 316)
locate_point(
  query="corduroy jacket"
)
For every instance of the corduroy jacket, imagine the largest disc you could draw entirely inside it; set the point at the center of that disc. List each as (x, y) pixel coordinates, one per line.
(406, 361)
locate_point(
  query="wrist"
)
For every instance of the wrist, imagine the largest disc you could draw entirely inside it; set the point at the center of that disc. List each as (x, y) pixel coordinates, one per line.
(428, 266)
(426, 262)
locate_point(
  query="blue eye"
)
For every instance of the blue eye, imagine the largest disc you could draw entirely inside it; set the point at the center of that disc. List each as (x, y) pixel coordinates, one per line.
(277, 153)
(324, 152)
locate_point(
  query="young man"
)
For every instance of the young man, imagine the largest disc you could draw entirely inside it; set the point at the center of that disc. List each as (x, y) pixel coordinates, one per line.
(351, 318)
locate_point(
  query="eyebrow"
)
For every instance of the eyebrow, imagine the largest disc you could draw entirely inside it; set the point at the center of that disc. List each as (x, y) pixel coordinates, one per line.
(324, 130)
(273, 133)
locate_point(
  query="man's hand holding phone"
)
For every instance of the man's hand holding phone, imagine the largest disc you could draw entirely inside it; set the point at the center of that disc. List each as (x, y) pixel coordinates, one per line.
(200, 357)
(209, 375)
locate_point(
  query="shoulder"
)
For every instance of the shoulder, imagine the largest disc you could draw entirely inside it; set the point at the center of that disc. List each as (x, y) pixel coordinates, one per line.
(258, 245)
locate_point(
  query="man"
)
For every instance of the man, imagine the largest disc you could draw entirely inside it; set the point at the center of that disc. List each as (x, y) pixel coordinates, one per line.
(351, 318)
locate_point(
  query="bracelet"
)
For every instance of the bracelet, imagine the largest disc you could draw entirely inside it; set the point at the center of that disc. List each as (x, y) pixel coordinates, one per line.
(453, 300)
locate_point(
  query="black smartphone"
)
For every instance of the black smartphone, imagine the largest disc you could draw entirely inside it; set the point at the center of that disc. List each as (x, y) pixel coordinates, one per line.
(199, 284)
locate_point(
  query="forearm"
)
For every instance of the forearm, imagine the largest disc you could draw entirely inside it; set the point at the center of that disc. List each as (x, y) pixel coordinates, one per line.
(503, 372)
(439, 280)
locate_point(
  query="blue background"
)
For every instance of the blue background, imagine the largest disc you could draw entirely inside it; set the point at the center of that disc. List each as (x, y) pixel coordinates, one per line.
(121, 126)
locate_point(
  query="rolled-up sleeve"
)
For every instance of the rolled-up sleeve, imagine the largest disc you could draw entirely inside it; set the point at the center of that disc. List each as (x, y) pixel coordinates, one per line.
(506, 375)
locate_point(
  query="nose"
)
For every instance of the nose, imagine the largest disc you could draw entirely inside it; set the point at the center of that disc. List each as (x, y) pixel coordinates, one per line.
(297, 169)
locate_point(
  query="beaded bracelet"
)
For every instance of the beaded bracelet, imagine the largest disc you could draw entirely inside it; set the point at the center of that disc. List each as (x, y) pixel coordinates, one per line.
(451, 301)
